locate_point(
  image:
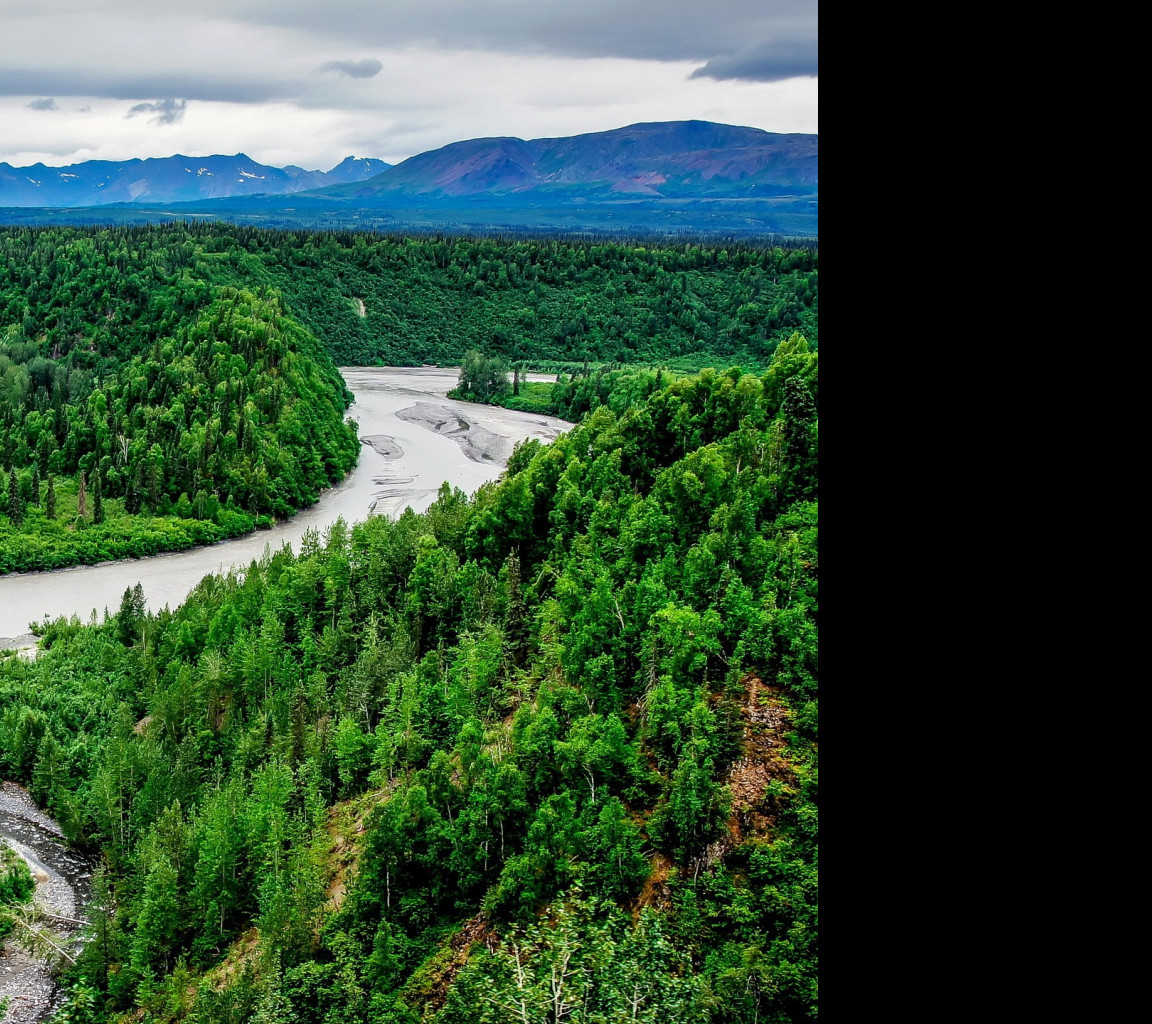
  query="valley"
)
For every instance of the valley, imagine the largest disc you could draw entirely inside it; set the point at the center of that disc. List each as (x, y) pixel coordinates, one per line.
(422, 460)
(411, 709)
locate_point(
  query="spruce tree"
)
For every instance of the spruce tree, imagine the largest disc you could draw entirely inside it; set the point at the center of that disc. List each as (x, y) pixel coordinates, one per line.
(97, 500)
(15, 504)
(35, 483)
(50, 498)
(515, 617)
(82, 496)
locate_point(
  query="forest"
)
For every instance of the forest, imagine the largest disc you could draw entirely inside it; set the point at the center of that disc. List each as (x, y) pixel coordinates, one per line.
(545, 753)
(172, 386)
(145, 408)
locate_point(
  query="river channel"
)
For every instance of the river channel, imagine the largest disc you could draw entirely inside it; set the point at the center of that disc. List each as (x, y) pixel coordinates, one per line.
(63, 887)
(414, 438)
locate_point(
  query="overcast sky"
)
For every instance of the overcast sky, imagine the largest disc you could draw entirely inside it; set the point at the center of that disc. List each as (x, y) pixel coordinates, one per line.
(311, 81)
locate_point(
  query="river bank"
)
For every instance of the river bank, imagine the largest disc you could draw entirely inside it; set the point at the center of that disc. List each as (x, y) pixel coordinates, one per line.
(400, 412)
(63, 887)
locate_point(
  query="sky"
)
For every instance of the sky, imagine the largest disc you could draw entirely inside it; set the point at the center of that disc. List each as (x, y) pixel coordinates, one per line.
(309, 82)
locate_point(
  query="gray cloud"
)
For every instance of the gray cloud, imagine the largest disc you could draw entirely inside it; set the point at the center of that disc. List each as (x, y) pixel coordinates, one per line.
(752, 39)
(639, 29)
(769, 62)
(281, 75)
(166, 111)
(114, 84)
(44, 104)
(354, 68)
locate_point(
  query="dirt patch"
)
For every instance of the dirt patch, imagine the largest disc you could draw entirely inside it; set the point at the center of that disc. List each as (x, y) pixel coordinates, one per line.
(656, 892)
(429, 987)
(766, 721)
(360, 308)
(346, 826)
(239, 955)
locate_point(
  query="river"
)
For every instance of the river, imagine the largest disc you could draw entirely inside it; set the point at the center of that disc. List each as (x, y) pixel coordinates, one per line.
(417, 438)
(63, 887)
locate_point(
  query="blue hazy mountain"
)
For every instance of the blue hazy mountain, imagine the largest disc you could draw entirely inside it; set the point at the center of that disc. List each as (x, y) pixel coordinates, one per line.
(167, 179)
(666, 178)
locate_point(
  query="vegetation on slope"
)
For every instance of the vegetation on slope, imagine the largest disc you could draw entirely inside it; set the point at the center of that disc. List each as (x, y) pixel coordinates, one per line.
(145, 406)
(162, 384)
(544, 754)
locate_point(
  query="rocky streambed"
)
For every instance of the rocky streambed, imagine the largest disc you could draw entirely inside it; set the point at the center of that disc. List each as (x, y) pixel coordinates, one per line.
(63, 888)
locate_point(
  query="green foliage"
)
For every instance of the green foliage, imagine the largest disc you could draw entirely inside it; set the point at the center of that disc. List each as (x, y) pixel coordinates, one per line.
(586, 965)
(481, 378)
(531, 702)
(16, 884)
(129, 366)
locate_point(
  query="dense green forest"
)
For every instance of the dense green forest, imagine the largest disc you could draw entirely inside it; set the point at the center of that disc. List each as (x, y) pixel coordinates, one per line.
(171, 386)
(147, 405)
(402, 301)
(544, 754)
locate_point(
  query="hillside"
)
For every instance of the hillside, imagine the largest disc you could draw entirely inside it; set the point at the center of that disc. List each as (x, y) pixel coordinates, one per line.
(548, 753)
(150, 402)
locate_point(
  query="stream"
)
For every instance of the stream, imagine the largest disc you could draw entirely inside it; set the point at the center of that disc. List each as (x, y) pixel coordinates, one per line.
(63, 887)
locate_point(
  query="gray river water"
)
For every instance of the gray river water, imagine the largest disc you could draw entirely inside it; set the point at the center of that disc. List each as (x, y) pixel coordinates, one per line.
(420, 438)
(63, 887)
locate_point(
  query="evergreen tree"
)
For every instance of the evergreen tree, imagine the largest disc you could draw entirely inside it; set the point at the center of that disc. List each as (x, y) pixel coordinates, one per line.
(50, 498)
(153, 488)
(515, 618)
(15, 503)
(132, 493)
(97, 500)
(82, 496)
(35, 483)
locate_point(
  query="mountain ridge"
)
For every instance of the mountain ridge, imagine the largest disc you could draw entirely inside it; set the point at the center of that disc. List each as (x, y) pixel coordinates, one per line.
(655, 159)
(177, 178)
(671, 159)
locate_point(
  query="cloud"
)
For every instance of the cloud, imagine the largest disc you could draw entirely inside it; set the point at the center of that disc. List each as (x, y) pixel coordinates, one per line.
(663, 30)
(770, 62)
(367, 68)
(45, 104)
(166, 111)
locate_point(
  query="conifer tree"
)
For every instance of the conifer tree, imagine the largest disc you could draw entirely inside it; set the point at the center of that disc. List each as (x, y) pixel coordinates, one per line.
(97, 500)
(515, 618)
(82, 496)
(50, 498)
(15, 504)
(35, 483)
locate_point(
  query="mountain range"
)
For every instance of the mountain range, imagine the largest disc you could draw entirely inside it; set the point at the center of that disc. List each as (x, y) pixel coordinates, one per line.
(669, 159)
(166, 179)
(669, 177)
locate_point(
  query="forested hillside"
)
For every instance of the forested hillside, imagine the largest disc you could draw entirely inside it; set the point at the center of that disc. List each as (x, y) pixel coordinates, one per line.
(545, 754)
(403, 301)
(166, 387)
(147, 403)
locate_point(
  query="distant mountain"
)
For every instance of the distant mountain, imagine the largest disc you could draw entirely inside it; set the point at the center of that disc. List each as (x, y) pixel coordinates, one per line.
(168, 179)
(354, 169)
(670, 179)
(670, 159)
